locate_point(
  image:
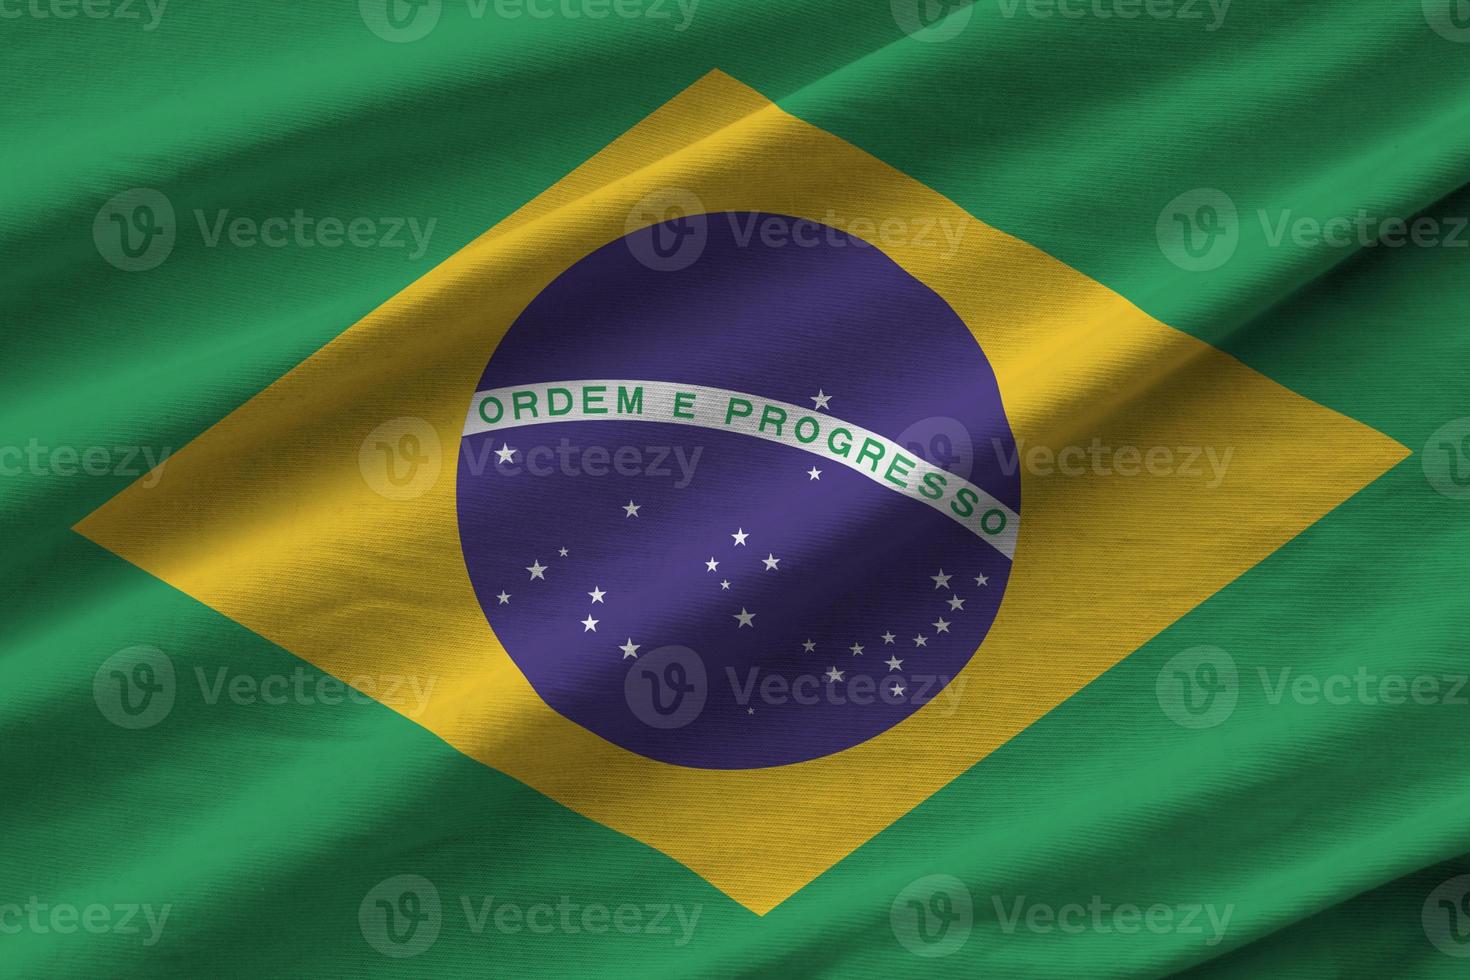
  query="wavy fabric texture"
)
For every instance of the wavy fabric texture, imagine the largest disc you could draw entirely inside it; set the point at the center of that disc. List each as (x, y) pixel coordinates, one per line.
(1323, 828)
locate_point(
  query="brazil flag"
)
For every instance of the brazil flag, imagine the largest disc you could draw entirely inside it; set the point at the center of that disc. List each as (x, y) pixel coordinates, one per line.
(560, 488)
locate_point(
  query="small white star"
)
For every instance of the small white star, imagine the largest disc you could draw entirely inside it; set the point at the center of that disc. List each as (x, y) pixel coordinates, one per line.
(888, 638)
(808, 646)
(725, 585)
(834, 674)
(504, 597)
(981, 580)
(897, 691)
(893, 662)
(630, 649)
(771, 561)
(631, 510)
(957, 603)
(940, 625)
(814, 473)
(505, 453)
(820, 399)
(746, 618)
(712, 564)
(941, 581)
(920, 640)
(857, 649)
(597, 594)
(750, 711)
(589, 625)
(537, 570)
(740, 537)
(562, 552)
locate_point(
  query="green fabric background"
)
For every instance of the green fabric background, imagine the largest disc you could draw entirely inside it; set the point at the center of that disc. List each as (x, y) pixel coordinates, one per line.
(1325, 826)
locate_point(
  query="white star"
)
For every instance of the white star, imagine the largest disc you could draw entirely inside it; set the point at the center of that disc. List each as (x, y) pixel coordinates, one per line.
(940, 625)
(981, 580)
(589, 625)
(897, 691)
(893, 662)
(725, 585)
(750, 711)
(562, 552)
(808, 646)
(857, 649)
(630, 649)
(957, 603)
(740, 537)
(820, 399)
(746, 618)
(631, 510)
(504, 597)
(712, 564)
(771, 561)
(814, 473)
(834, 674)
(920, 640)
(888, 638)
(597, 594)
(537, 570)
(941, 581)
(505, 453)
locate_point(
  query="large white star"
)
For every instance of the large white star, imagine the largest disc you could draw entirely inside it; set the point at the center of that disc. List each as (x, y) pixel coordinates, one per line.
(631, 509)
(820, 399)
(537, 570)
(957, 603)
(897, 691)
(712, 564)
(940, 625)
(504, 597)
(834, 674)
(597, 594)
(893, 662)
(630, 649)
(505, 453)
(888, 638)
(857, 649)
(814, 473)
(981, 580)
(740, 537)
(589, 625)
(941, 581)
(771, 561)
(746, 618)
